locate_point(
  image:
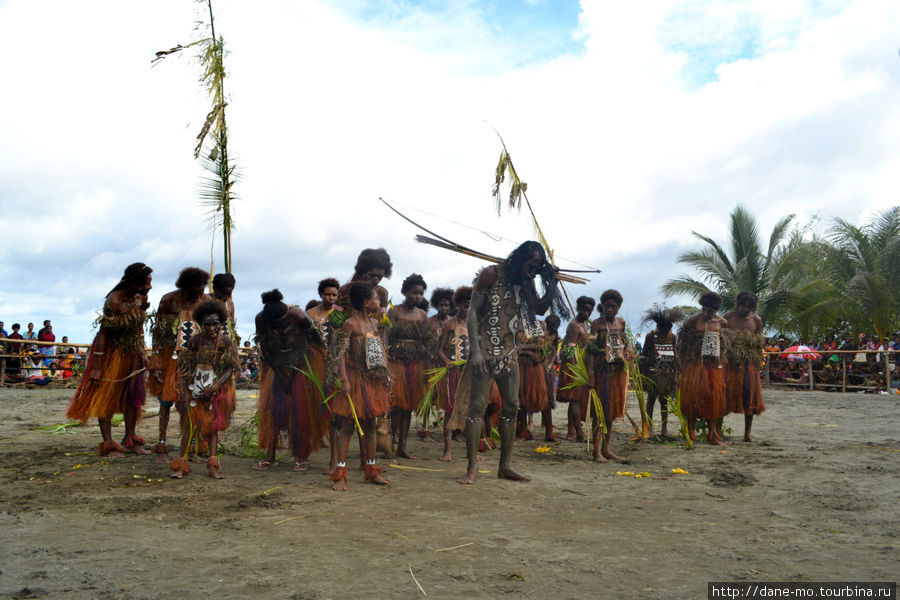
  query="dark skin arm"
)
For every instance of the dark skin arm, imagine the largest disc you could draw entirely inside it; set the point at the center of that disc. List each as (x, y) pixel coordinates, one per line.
(486, 279)
(445, 338)
(543, 304)
(117, 304)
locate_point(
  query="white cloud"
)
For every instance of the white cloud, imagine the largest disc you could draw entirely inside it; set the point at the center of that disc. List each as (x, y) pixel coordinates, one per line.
(623, 154)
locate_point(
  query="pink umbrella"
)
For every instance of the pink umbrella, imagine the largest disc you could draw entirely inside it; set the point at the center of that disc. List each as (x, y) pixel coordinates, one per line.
(800, 353)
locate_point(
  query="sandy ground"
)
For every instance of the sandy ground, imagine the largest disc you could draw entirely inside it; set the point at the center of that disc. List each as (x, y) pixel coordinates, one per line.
(816, 500)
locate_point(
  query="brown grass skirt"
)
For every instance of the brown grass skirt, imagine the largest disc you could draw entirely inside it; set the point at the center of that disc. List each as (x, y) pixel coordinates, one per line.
(702, 391)
(288, 400)
(532, 387)
(452, 380)
(168, 391)
(612, 388)
(119, 386)
(744, 389)
(408, 378)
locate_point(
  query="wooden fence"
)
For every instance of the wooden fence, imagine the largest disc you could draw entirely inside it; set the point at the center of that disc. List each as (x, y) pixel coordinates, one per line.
(849, 363)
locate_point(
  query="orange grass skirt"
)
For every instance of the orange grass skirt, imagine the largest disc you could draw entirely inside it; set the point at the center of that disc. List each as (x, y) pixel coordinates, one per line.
(208, 416)
(408, 378)
(744, 389)
(371, 398)
(168, 390)
(119, 386)
(702, 391)
(612, 388)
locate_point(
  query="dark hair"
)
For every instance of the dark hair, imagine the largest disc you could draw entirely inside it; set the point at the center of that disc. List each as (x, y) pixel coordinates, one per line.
(191, 277)
(327, 283)
(515, 261)
(664, 317)
(273, 307)
(711, 300)
(409, 282)
(552, 322)
(135, 274)
(16, 326)
(746, 298)
(462, 294)
(613, 295)
(585, 301)
(373, 257)
(312, 303)
(442, 294)
(223, 280)
(360, 291)
(209, 307)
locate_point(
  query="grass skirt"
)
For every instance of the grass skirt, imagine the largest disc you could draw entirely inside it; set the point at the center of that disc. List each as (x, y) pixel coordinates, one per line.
(168, 391)
(408, 379)
(288, 400)
(661, 383)
(702, 391)
(532, 386)
(744, 389)
(208, 416)
(371, 396)
(119, 386)
(612, 388)
(452, 379)
(462, 399)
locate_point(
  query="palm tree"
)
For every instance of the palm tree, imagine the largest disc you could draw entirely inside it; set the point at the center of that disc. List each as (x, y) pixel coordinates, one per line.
(775, 275)
(862, 265)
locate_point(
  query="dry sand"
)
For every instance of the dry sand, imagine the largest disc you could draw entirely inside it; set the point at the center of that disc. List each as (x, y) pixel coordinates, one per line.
(815, 500)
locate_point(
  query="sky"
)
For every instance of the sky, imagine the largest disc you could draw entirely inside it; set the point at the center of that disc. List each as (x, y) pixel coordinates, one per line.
(633, 123)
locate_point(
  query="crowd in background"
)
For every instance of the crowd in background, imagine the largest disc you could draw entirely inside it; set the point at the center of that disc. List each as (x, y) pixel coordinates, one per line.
(38, 364)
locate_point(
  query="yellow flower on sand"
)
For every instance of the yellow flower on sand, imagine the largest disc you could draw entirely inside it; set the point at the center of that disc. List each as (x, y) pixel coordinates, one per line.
(680, 471)
(543, 449)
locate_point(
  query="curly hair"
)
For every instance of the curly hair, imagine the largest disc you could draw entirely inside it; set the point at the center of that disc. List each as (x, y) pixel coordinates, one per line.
(665, 318)
(552, 322)
(327, 283)
(360, 291)
(746, 298)
(312, 304)
(711, 300)
(221, 280)
(462, 294)
(373, 257)
(210, 307)
(273, 307)
(613, 295)
(409, 282)
(585, 301)
(191, 277)
(515, 263)
(442, 294)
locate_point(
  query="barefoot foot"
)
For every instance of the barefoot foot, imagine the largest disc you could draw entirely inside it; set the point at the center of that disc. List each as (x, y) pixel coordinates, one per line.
(339, 486)
(610, 456)
(469, 478)
(507, 473)
(445, 457)
(404, 454)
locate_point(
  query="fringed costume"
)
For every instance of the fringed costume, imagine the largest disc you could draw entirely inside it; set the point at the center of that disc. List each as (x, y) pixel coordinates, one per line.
(369, 379)
(605, 354)
(575, 394)
(199, 369)
(171, 333)
(410, 352)
(532, 378)
(659, 367)
(121, 365)
(458, 342)
(702, 380)
(289, 398)
(743, 386)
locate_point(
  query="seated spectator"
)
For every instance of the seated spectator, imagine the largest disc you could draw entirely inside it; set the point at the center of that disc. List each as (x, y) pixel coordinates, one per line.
(34, 372)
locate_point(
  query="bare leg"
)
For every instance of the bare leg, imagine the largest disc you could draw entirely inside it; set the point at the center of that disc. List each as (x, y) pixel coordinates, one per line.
(373, 471)
(547, 422)
(131, 442)
(480, 389)
(523, 433)
(333, 440)
(447, 433)
(340, 475)
(690, 425)
(213, 465)
(664, 414)
(106, 432)
(748, 424)
(712, 436)
(508, 384)
(160, 448)
(405, 417)
(597, 438)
